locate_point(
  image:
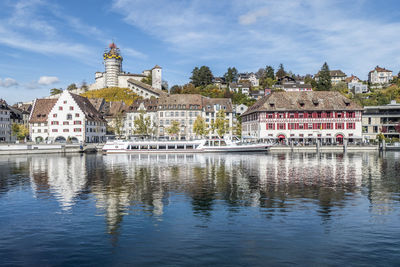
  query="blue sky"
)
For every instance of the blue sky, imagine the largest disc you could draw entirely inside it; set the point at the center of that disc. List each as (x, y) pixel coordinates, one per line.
(46, 44)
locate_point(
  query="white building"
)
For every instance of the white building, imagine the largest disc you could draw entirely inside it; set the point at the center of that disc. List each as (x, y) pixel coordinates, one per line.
(147, 107)
(70, 117)
(304, 117)
(355, 84)
(114, 76)
(240, 109)
(380, 76)
(243, 87)
(5, 122)
(184, 108)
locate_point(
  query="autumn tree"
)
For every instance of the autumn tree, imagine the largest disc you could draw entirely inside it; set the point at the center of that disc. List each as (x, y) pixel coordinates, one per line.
(19, 131)
(174, 129)
(231, 74)
(200, 127)
(143, 126)
(324, 79)
(111, 94)
(221, 124)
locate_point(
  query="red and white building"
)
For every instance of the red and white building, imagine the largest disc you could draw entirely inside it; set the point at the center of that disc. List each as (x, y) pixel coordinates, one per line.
(304, 117)
(70, 117)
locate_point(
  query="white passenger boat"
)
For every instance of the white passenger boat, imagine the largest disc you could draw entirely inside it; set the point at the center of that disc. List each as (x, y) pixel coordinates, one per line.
(195, 146)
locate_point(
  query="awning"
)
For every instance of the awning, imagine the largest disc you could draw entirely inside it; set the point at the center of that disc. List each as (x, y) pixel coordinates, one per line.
(281, 136)
(339, 136)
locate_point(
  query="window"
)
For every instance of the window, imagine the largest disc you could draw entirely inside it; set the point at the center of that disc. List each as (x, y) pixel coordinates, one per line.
(161, 114)
(54, 115)
(77, 115)
(54, 130)
(291, 115)
(328, 114)
(77, 130)
(270, 115)
(319, 115)
(71, 108)
(54, 123)
(281, 126)
(65, 101)
(60, 108)
(310, 126)
(301, 126)
(182, 114)
(339, 115)
(65, 123)
(301, 115)
(66, 130)
(351, 125)
(69, 116)
(176, 114)
(270, 126)
(77, 122)
(369, 120)
(339, 125)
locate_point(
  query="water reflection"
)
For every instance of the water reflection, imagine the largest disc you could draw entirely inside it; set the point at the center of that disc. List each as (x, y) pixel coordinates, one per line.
(134, 184)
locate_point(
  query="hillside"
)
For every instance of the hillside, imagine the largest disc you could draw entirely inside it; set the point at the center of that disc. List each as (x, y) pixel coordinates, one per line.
(113, 94)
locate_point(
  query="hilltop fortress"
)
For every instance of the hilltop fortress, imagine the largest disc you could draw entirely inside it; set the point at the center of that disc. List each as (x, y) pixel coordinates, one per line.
(114, 76)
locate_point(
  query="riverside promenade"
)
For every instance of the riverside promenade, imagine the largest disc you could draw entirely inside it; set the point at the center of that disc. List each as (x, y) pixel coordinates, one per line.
(18, 149)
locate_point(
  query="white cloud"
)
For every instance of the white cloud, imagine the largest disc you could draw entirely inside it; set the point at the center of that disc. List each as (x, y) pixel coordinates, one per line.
(133, 53)
(252, 16)
(253, 33)
(8, 82)
(47, 80)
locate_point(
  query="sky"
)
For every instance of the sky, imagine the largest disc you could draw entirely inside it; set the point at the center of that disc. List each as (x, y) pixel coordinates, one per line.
(48, 44)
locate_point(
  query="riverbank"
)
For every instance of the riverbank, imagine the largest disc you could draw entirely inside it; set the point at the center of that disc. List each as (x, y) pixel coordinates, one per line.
(323, 148)
(17, 149)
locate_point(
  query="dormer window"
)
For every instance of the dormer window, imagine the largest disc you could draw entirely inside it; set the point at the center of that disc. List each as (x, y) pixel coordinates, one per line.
(272, 105)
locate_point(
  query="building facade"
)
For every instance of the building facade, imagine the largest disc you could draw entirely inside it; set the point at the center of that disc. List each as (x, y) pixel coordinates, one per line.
(381, 119)
(183, 108)
(303, 117)
(289, 84)
(5, 122)
(337, 76)
(69, 118)
(355, 84)
(380, 76)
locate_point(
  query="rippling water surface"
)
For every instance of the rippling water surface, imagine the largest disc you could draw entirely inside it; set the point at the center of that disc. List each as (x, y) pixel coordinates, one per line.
(215, 209)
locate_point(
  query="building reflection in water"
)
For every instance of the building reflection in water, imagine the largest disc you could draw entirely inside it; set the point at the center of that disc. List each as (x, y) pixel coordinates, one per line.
(130, 184)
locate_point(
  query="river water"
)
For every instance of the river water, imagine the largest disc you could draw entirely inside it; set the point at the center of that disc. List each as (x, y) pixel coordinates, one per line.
(201, 209)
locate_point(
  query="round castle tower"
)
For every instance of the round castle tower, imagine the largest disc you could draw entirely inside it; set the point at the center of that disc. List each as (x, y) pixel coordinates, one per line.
(113, 65)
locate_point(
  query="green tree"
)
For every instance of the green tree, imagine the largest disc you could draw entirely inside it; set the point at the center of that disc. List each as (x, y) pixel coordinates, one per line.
(148, 80)
(270, 72)
(19, 131)
(281, 71)
(84, 86)
(201, 76)
(231, 74)
(119, 123)
(324, 79)
(176, 89)
(200, 127)
(174, 129)
(72, 86)
(221, 124)
(55, 91)
(143, 126)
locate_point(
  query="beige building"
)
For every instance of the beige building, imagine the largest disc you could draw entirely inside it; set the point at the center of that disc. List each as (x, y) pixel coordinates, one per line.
(381, 119)
(183, 108)
(380, 76)
(337, 76)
